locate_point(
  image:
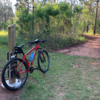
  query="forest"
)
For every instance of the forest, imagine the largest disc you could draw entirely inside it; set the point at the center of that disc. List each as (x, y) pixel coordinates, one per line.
(61, 22)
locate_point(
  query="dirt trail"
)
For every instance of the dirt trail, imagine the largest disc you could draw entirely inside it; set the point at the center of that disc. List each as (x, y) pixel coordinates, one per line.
(91, 48)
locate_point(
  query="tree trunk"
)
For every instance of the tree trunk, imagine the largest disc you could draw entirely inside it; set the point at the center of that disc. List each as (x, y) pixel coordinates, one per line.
(71, 5)
(44, 2)
(96, 17)
(84, 29)
(88, 27)
(33, 19)
(89, 20)
(5, 18)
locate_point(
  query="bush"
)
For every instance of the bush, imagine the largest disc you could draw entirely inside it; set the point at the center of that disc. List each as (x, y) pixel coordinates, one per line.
(3, 25)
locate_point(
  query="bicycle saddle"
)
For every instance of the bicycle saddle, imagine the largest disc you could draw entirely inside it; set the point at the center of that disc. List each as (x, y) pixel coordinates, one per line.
(20, 46)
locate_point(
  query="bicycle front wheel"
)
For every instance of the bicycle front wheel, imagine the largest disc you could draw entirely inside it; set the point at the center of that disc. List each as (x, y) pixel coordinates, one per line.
(9, 74)
(43, 61)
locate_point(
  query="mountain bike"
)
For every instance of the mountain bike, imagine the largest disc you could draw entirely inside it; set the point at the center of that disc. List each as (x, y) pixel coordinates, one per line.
(19, 67)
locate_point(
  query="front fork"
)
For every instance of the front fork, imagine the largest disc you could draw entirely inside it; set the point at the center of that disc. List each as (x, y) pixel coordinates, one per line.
(43, 57)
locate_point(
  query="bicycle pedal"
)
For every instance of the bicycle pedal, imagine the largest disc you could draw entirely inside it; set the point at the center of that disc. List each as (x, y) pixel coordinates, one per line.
(31, 69)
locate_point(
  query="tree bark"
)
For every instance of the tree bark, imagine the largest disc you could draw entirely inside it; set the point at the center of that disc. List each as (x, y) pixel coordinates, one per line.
(88, 27)
(96, 17)
(33, 19)
(5, 17)
(89, 20)
(71, 5)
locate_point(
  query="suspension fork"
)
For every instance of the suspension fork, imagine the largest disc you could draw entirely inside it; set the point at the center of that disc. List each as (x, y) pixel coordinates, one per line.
(42, 58)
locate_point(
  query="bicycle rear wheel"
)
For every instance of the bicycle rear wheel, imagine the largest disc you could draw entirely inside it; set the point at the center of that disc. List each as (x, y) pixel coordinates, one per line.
(43, 61)
(9, 73)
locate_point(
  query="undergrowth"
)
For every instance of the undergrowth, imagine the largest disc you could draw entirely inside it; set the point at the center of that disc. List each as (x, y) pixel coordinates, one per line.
(62, 41)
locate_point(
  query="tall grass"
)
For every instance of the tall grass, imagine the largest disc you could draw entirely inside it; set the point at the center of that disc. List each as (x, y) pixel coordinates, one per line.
(90, 32)
(3, 37)
(55, 39)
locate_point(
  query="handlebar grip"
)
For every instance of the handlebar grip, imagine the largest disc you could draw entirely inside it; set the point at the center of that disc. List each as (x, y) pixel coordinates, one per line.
(44, 41)
(30, 42)
(37, 41)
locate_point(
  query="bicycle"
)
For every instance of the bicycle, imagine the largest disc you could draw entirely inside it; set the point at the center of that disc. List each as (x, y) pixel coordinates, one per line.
(19, 68)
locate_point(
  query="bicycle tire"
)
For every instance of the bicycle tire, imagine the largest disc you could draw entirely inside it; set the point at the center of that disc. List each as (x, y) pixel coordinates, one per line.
(6, 69)
(41, 60)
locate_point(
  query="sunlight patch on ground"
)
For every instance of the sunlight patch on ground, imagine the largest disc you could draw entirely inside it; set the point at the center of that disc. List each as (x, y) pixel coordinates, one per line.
(3, 33)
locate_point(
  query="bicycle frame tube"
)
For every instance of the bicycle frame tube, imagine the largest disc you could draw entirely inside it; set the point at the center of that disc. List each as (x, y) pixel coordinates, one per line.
(35, 49)
(24, 56)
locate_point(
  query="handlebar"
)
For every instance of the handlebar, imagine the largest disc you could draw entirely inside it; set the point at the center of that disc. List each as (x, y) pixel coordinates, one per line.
(44, 41)
(37, 41)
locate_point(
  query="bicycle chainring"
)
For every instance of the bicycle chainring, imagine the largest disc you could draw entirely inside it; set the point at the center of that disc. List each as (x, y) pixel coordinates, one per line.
(31, 69)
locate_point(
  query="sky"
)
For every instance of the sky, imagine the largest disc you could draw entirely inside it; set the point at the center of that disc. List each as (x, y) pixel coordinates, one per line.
(13, 3)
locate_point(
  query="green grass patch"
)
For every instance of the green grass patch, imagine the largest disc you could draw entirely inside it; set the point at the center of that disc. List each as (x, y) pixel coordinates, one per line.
(3, 33)
(3, 57)
(81, 39)
(68, 78)
(91, 33)
(3, 37)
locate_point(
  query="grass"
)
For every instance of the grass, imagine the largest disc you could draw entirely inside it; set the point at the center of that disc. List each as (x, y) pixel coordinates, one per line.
(3, 33)
(90, 33)
(3, 37)
(3, 47)
(68, 78)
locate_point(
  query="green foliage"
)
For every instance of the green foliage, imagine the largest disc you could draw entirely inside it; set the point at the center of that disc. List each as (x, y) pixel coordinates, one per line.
(24, 21)
(64, 7)
(81, 25)
(3, 37)
(98, 23)
(6, 13)
(52, 10)
(48, 21)
(10, 22)
(3, 25)
(40, 12)
(86, 11)
(77, 9)
(98, 26)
